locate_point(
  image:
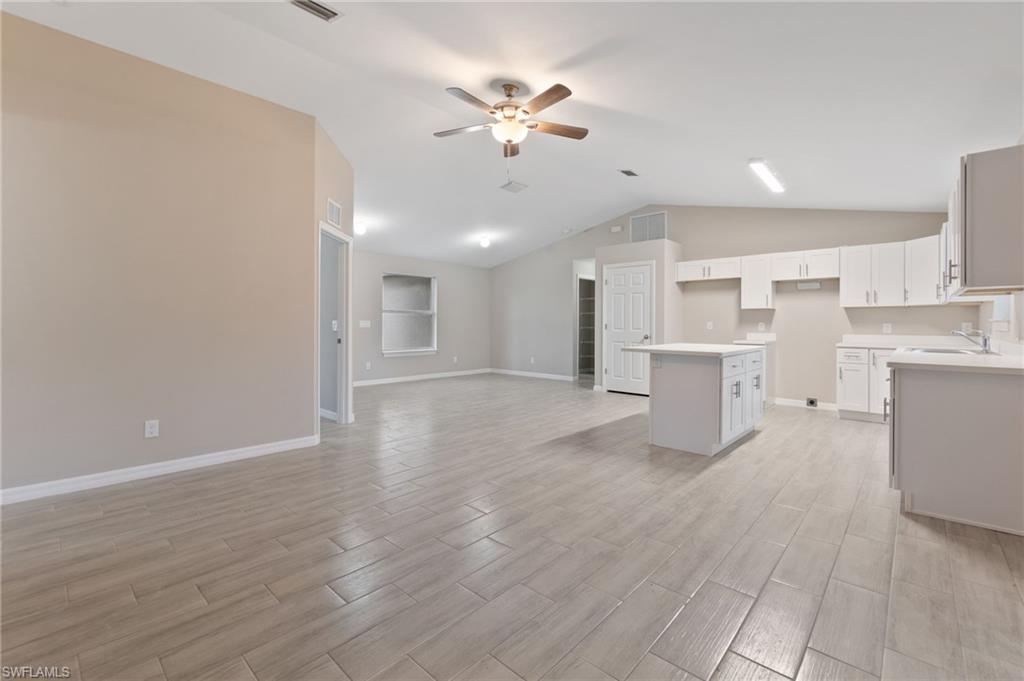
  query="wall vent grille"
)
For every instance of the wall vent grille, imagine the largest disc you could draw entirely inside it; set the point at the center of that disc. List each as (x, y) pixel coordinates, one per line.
(648, 227)
(333, 213)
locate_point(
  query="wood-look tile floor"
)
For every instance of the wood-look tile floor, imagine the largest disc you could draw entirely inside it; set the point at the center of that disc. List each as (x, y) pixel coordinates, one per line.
(502, 528)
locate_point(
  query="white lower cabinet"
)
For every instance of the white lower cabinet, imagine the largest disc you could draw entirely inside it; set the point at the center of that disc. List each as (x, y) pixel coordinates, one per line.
(862, 382)
(742, 394)
(878, 383)
(852, 387)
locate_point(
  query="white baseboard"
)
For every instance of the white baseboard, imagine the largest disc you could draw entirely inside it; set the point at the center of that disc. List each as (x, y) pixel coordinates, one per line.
(46, 489)
(533, 374)
(419, 377)
(598, 388)
(328, 414)
(788, 402)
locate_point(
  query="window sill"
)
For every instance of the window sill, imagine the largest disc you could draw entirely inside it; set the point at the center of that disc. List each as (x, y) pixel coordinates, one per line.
(409, 353)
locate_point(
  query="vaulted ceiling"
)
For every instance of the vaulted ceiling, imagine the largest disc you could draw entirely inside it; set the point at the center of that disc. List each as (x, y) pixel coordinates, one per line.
(861, 106)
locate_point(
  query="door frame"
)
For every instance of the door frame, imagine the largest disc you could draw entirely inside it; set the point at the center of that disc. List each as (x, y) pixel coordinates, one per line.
(346, 413)
(604, 316)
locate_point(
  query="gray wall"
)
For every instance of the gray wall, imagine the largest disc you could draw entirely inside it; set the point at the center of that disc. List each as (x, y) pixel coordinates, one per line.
(533, 310)
(330, 261)
(463, 317)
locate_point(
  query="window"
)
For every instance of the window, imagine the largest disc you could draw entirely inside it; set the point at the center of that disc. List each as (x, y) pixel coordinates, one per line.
(408, 314)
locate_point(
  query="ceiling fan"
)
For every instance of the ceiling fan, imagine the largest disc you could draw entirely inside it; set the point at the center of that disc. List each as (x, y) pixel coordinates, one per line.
(514, 120)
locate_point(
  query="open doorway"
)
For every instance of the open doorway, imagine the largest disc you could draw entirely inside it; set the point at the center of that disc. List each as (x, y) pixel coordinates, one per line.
(584, 297)
(334, 347)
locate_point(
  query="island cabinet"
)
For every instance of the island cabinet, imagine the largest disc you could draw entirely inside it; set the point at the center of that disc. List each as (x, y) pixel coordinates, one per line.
(704, 397)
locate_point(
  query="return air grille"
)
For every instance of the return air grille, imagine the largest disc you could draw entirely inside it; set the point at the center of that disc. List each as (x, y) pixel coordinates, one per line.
(648, 227)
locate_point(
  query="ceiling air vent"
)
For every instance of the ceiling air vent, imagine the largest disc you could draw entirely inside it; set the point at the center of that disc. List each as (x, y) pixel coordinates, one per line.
(628, 173)
(316, 9)
(647, 227)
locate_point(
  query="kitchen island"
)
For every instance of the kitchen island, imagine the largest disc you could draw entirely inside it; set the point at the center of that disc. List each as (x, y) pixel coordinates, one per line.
(704, 397)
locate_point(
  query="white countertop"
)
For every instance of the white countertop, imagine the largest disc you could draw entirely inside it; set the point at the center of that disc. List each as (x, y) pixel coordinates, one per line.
(892, 341)
(986, 364)
(692, 349)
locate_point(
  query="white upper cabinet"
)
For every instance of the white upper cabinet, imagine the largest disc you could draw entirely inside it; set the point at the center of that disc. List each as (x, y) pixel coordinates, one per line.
(702, 270)
(855, 276)
(888, 283)
(787, 266)
(821, 264)
(818, 264)
(924, 286)
(872, 275)
(756, 290)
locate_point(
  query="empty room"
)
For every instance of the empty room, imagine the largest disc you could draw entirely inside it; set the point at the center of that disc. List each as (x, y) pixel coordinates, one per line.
(525, 341)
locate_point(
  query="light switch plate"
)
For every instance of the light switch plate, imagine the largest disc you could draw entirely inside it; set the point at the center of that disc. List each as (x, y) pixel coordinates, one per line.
(886, 328)
(334, 325)
(364, 323)
(152, 428)
(760, 326)
(709, 325)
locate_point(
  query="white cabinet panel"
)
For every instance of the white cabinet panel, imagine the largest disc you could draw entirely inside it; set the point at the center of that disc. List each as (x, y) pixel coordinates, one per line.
(732, 406)
(724, 268)
(922, 271)
(693, 270)
(787, 266)
(852, 387)
(821, 264)
(888, 285)
(756, 289)
(879, 380)
(855, 276)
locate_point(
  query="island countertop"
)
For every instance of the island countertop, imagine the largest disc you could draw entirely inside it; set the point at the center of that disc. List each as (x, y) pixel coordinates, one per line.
(993, 363)
(692, 349)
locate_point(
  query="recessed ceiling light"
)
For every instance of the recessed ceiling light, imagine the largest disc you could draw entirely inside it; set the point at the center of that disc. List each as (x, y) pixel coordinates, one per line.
(767, 175)
(485, 242)
(628, 173)
(359, 228)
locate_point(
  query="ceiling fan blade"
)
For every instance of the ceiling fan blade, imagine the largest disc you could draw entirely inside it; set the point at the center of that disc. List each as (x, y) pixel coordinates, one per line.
(459, 131)
(558, 129)
(471, 100)
(552, 95)
(511, 150)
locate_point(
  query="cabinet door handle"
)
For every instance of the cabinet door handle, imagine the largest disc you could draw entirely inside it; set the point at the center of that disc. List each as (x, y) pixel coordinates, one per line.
(874, 360)
(840, 373)
(757, 381)
(867, 297)
(938, 291)
(766, 300)
(885, 409)
(876, 296)
(739, 388)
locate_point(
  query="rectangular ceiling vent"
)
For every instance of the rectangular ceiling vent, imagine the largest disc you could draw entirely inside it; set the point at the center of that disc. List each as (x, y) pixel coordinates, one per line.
(316, 9)
(648, 227)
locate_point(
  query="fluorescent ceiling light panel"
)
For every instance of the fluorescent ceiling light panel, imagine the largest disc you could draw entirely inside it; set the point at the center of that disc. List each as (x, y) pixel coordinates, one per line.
(767, 175)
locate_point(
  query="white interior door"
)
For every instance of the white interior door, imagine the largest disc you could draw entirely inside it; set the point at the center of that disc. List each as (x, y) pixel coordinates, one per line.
(628, 301)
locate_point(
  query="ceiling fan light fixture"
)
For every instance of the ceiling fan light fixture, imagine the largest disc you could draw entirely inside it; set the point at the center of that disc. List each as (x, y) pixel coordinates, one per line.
(767, 175)
(485, 243)
(509, 131)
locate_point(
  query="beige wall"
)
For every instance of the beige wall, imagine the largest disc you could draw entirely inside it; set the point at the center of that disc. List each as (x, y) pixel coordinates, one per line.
(463, 317)
(159, 237)
(532, 309)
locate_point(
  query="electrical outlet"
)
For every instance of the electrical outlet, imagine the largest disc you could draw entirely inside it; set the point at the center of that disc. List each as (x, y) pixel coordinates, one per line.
(364, 323)
(812, 401)
(966, 327)
(455, 359)
(531, 359)
(760, 326)
(886, 327)
(709, 325)
(334, 325)
(369, 365)
(152, 428)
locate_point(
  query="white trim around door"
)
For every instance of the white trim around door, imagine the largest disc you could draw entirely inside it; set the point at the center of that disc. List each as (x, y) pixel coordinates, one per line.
(641, 280)
(345, 412)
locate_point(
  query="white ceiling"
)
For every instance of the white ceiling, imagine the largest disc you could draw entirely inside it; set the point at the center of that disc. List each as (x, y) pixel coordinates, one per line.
(857, 106)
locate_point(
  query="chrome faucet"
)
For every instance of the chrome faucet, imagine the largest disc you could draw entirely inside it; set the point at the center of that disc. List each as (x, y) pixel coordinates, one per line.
(985, 342)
